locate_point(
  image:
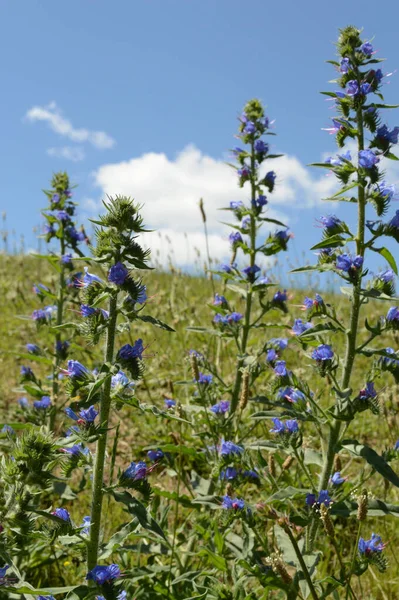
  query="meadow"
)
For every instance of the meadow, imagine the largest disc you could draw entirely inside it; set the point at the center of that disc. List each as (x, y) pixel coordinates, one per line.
(211, 436)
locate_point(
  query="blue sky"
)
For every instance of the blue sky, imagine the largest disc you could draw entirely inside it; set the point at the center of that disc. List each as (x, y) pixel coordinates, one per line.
(165, 80)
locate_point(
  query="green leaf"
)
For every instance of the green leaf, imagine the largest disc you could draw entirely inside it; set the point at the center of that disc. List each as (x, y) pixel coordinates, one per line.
(318, 329)
(375, 460)
(93, 387)
(333, 241)
(156, 322)
(312, 457)
(391, 156)
(321, 165)
(186, 450)
(138, 510)
(204, 330)
(25, 588)
(238, 290)
(344, 189)
(385, 253)
(288, 492)
(33, 357)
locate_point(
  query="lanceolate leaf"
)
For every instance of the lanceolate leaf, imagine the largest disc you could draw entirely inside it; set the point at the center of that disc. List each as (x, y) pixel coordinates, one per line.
(375, 460)
(138, 510)
(388, 257)
(156, 322)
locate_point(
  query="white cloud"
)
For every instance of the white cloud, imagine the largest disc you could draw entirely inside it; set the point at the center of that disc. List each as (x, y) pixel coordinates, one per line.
(170, 191)
(52, 115)
(73, 153)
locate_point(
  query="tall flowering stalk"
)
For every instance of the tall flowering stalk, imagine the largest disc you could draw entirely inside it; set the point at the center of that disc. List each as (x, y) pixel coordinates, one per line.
(358, 118)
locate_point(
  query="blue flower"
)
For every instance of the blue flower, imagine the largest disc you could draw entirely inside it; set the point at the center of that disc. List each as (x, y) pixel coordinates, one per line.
(221, 408)
(169, 403)
(348, 264)
(128, 352)
(269, 180)
(89, 279)
(136, 471)
(228, 268)
(66, 259)
(103, 575)
(219, 300)
(260, 201)
(280, 297)
(368, 392)
(322, 353)
(78, 236)
(386, 191)
(271, 355)
(367, 159)
(394, 222)
(323, 498)
(87, 311)
(230, 448)
(55, 198)
(45, 598)
(396, 447)
(280, 343)
(44, 403)
(291, 394)
(371, 546)
(76, 370)
(336, 479)
(345, 65)
(280, 368)
(385, 360)
(300, 327)
(62, 513)
(118, 274)
(389, 135)
(233, 503)
(86, 415)
(33, 348)
(246, 222)
(367, 49)
(75, 450)
(261, 148)
(251, 272)
(309, 303)
(265, 280)
(3, 571)
(329, 221)
(279, 426)
(7, 429)
(249, 128)
(393, 315)
(235, 238)
(287, 427)
(386, 276)
(250, 474)
(228, 474)
(236, 205)
(23, 402)
(155, 455)
(86, 525)
(244, 173)
(205, 379)
(120, 381)
(27, 372)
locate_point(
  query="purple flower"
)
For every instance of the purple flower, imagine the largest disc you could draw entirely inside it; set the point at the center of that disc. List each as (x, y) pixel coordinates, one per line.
(323, 498)
(269, 180)
(27, 372)
(291, 394)
(87, 311)
(368, 392)
(389, 135)
(235, 238)
(309, 303)
(347, 264)
(330, 221)
(353, 88)
(136, 471)
(219, 300)
(39, 288)
(250, 474)
(251, 271)
(280, 297)
(33, 348)
(230, 449)
(76, 370)
(128, 352)
(204, 379)
(89, 279)
(66, 259)
(23, 402)
(249, 128)
(244, 173)
(103, 575)
(263, 280)
(228, 268)
(260, 201)
(85, 417)
(336, 479)
(367, 159)
(322, 353)
(62, 513)
(345, 65)
(233, 503)
(155, 455)
(386, 276)
(279, 426)
(393, 315)
(300, 327)
(367, 49)
(118, 274)
(394, 222)
(385, 360)
(77, 236)
(62, 215)
(228, 474)
(271, 355)
(280, 368)
(86, 525)
(280, 343)
(120, 380)
(371, 546)
(55, 198)
(7, 429)
(44, 403)
(386, 191)
(221, 408)
(396, 447)
(75, 450)
(289, 427)
(169, 403)
(261, 147)
(236, 205)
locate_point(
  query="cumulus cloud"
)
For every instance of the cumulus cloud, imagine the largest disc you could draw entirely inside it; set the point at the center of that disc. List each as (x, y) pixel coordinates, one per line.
(52, 115)
(73, 153)
(170, 191)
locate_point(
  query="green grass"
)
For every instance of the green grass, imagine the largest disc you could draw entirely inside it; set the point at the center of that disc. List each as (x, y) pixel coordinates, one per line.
(182, 301)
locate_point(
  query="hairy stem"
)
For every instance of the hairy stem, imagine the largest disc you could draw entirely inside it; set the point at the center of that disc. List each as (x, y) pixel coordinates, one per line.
(97, 497)
(59, 320)
(247, 318)
(302, 563)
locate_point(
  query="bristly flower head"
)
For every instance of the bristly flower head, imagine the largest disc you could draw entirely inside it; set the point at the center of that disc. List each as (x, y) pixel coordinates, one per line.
(76, 370)
(221, 407)
(118, 274)
(233, 503)
(86, 415)
(287, 427)
(374, 544)
(291, 394)
(62, 513)
(323, 353)
(136, 471)
(323, 498)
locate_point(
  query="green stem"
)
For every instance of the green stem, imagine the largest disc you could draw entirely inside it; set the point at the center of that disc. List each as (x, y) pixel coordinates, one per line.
(97, 497)
(302, 563)
(59, 320)
(247, 318)
(348, 589)
(353, 327)
(301, 463)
